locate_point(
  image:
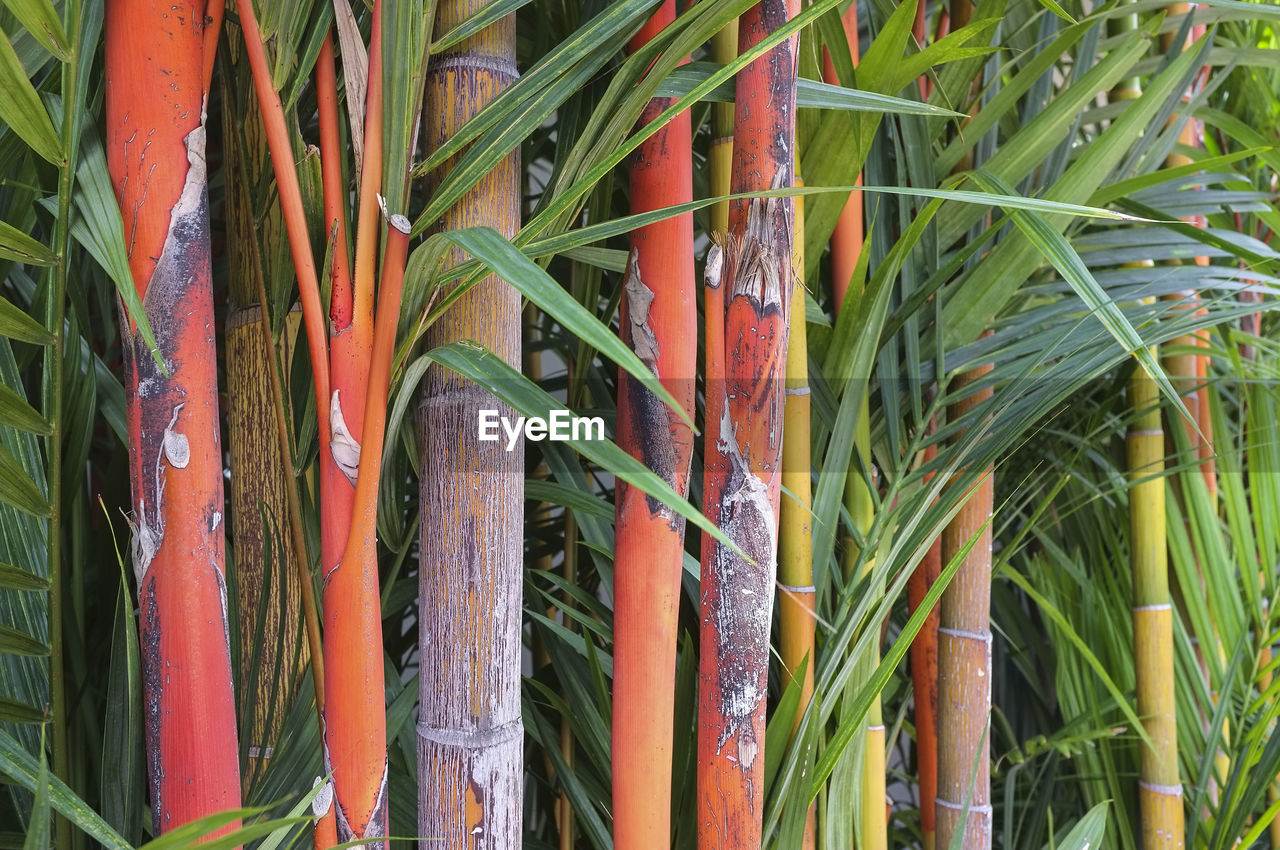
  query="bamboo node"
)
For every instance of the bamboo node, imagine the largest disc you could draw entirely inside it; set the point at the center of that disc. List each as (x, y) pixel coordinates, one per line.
(965, 634)
(959, 807)
(1164, 790)
(471, 739)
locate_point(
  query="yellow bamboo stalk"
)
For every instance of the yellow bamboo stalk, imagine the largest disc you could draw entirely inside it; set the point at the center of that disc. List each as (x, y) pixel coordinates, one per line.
(1159, 786)
(964, 658)
(724, 49)
(796, 597)
(470, 737)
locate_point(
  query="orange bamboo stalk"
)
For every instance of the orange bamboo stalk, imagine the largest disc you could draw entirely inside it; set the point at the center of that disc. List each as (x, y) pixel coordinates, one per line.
(743, 447)
(213, 15)
(470, 736)
(155, 93)
(846, 239)
(659, 322)
(291, 204)
(964, 659)
(924, 678)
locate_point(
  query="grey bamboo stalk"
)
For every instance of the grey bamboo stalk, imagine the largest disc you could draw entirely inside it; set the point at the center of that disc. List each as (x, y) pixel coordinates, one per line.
(470, 736)
(964, 658)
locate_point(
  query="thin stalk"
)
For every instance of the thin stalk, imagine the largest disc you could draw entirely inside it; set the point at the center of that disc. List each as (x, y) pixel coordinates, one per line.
(273, 120)
(924, 679)
(355, 717)
(724, 49)
(155, 91)
(52, 407)
(743, 447)
(470, 735)
(796, 604)
(964, 656)
(659, 321)
(846, 239)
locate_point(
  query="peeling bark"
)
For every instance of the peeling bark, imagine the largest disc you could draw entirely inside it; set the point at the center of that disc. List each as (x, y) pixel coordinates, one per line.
(155, 92)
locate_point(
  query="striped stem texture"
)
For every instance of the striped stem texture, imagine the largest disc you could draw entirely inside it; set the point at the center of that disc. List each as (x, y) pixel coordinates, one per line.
(472, 500)
(963, 804)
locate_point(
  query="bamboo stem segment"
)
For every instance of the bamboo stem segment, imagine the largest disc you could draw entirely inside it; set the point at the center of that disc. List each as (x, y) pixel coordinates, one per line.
(743, 446)
(964, 658)
(796, 599)
(659, 322)
(470, 736)
(1159, 788)
(155, 91)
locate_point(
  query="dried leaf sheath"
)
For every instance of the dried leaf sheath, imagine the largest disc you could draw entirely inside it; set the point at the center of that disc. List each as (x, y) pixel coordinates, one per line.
(156, 143)
(659, 322)
(744, 443)
(469, 728)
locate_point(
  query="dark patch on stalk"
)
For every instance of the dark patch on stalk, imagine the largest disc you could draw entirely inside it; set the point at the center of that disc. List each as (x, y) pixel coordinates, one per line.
(743, 598)
(152, 696)
(649, 419)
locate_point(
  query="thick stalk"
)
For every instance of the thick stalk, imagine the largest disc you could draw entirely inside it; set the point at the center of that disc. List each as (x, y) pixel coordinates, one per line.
(262, 469)
(743, 446)
(964, 657)
(924, 679)
(796, 604)
(469, 729)
(659, 321)
(155, 91)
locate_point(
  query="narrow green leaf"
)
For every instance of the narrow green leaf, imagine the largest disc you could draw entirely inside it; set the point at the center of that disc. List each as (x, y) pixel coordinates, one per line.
(38, 830)
(20, 766)
(13, 711)
(15, 324)
(100, 229)
(16, 245)
(17, 488)
(15, 642)
(16, 578)
(43, 22)
(488, 14)
(809, 93)
(478, 364)
(508, 262)
(16, 413)
(22, 109)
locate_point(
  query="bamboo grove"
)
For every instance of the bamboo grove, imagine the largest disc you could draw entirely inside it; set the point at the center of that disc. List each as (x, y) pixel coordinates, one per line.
(639, 424)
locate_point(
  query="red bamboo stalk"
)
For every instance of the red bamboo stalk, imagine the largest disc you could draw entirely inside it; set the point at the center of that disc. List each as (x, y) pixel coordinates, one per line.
(155, 91)
(659, 322)
(743, 447)
(924, 678)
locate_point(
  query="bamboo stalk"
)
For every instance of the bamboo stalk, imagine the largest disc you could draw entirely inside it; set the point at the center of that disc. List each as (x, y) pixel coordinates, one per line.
(743, 446)
(659, 322)
(924, 678)
(469, 728)
(724, 49)
(964, 657)
(846, 247)
(796, 604)
(262, 468)
(155, 91)
(846, 239)
(1159, 786)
